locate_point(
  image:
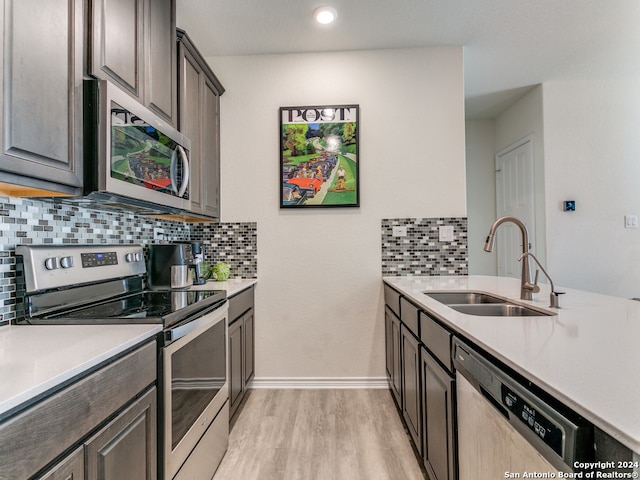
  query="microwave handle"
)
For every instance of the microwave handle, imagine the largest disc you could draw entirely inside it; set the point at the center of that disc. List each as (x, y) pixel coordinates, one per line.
(173, 171)
(185, 166)
(179, 151)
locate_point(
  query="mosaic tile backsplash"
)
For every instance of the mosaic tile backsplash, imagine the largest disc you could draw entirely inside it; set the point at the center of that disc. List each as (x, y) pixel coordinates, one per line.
(233, 243)
(421, 252)
(35, 222)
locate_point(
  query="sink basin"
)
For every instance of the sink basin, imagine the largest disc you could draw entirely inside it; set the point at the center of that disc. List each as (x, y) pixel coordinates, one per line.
(464, 298)
(483, 304)
(498, 310)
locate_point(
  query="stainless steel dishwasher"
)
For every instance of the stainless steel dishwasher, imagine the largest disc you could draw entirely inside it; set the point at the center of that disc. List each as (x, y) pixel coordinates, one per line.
(505, 428)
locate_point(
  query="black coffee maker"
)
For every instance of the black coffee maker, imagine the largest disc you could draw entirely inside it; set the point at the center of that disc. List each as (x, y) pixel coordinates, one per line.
(175, 265)
(197, 250)
(170, 265)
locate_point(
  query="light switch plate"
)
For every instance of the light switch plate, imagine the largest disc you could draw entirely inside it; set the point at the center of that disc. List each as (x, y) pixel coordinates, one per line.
(399, 231)
(630, 221)
(158, 233)
(446, 233)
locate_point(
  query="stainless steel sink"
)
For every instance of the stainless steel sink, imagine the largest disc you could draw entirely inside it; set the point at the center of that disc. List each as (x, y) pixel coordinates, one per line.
(483, 304)
(464, 298)
(498, 310)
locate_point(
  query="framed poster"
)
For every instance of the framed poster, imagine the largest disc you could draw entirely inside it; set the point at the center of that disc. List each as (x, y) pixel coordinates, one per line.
(319, 158)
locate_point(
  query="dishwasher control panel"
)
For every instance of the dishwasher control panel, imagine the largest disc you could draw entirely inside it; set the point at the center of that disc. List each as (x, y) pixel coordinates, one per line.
(544, 428)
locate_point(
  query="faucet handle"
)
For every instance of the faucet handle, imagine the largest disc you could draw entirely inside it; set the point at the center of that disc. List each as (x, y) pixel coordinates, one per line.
(535, 288)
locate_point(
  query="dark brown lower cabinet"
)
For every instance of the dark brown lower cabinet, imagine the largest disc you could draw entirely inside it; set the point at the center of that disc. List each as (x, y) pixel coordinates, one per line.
(392, 333)
(421, 378)
(236, 385)
(438, 450)
(126, 447)
(241, 347)
(411, 399)
(249, 347)
(241, 358)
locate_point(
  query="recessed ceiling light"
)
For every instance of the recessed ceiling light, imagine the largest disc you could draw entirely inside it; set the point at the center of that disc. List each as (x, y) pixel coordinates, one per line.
(325, 15)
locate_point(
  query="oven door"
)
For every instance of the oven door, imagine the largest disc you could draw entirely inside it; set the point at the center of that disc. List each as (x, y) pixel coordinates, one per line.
(193, 360)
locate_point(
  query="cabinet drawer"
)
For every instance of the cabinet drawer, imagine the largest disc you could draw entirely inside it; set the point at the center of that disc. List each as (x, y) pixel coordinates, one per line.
(35, 437)
(240, 303)
(409, 316)
(392, 299)
(437, 339)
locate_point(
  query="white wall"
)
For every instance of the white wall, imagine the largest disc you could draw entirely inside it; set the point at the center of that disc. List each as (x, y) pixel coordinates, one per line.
(586, 136)
(522, 119)
(483, 140)
(592, 154)
(319, 295)
(481, 193)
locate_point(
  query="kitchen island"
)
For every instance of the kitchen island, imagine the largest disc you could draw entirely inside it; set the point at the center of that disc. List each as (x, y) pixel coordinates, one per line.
(585, 354)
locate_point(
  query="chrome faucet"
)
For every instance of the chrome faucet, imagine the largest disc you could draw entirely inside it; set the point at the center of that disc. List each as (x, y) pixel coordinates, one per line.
(527, 288)
(554, 296)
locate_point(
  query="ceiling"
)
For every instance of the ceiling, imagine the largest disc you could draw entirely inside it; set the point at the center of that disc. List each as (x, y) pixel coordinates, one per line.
(509, 45)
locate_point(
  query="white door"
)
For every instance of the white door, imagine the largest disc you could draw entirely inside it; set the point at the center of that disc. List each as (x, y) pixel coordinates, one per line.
(514, 196)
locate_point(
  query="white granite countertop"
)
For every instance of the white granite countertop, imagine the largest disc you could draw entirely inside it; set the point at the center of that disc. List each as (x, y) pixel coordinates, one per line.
(587, 355)
(36, 358)
(232, 286)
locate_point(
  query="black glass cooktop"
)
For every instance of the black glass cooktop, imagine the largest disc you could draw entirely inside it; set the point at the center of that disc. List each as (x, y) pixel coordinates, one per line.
(151, 306)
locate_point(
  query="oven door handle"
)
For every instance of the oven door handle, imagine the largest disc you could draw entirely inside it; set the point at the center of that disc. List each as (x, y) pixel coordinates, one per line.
(192, 327)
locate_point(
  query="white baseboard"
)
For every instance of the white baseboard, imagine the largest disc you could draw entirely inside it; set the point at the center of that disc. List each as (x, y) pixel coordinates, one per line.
(319, 383)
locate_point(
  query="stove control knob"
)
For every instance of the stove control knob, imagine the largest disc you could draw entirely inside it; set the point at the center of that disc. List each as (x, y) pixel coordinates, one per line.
(66, 262)
(133, 257)
(51, 263)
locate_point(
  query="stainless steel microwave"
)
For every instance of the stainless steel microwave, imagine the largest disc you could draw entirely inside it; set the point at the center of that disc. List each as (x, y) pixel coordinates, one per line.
(133, 158)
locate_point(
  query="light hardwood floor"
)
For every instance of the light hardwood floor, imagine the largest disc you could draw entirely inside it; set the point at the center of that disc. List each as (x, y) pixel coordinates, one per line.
(319, 435)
